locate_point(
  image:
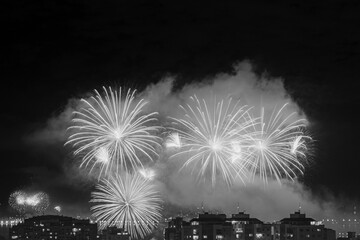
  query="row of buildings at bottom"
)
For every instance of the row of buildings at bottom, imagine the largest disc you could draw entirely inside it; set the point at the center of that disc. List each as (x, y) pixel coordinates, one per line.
(206, 226)
(241, 226)
(55, 227)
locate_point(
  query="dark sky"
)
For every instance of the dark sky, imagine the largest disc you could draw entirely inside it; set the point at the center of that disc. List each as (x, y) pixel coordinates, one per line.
(52, 51)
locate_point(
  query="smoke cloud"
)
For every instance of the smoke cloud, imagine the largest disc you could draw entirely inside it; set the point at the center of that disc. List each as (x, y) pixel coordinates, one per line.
(244, 85)
(270, 201)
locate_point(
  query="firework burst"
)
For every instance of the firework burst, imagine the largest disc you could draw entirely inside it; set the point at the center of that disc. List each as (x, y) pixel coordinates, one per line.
(41, 202)
(23, 202)
(17, 201)
(113, 131)
(129, 201)
(278, 146)
(57, 208)
(213, 136)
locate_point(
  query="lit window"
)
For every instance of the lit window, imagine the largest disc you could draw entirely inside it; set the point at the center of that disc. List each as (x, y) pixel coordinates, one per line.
(205, 236)
(195, 237)
(194, 231)
(219, 236)
(258, 235)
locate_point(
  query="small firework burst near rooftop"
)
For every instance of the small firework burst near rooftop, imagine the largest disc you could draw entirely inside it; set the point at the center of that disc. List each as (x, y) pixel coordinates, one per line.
(128, 201)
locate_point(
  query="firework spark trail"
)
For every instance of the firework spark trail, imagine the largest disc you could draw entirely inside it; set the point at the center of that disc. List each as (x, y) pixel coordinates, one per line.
(113, 131)
(128, 201)
(276, 146)
(298, 145)
(147, 173)
(173, 141)
(213, 136)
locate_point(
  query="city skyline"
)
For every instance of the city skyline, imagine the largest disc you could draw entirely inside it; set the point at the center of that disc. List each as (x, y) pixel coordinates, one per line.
(342, 228)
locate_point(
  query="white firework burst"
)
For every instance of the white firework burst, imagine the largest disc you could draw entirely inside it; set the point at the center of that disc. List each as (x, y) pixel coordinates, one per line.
(113, 131)
(128, 201)
(276, 147)
(213, 134)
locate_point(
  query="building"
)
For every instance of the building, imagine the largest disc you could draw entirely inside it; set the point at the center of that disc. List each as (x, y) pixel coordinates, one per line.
(208, 226)
(246, 228)
(241, 226)
(5, 224)
(54, 227)
(114, 233)
(174, 229)
(350, 236)
(299, 227)
(348, 222)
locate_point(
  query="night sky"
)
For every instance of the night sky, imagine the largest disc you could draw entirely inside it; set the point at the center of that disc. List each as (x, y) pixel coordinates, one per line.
(53, 51)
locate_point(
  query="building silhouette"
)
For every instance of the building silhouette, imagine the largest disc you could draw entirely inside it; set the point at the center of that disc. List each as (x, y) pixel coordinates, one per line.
(241, 226)
(114, 233)
(174, 229)
(54, 227)
(208, 226)
(5, 224)
(247, 228)
(299, 227)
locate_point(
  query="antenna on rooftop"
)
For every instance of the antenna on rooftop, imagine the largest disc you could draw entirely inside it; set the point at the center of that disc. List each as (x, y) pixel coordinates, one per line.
(238, 207)
(299, 207)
